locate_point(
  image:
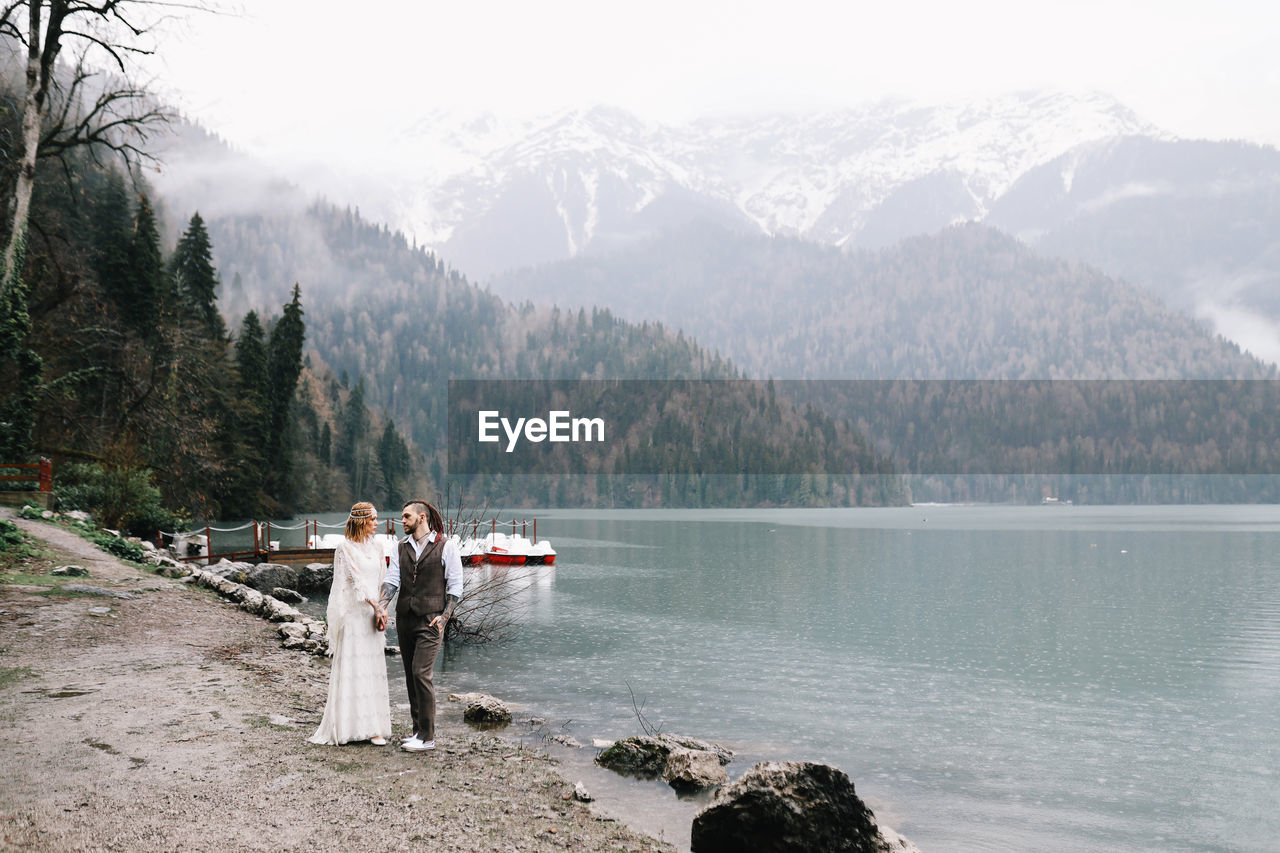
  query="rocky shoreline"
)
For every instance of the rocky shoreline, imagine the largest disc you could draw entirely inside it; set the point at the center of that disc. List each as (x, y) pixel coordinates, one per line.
(820, 800)
(173, 719)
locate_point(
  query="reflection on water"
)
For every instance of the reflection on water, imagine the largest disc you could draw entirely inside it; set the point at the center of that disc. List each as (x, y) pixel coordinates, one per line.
(992, 678)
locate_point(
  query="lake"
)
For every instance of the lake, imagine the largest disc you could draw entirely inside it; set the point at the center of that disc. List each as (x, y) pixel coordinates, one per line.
(991, 678)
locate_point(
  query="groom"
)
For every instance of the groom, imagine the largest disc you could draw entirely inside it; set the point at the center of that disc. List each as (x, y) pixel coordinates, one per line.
(427, 566)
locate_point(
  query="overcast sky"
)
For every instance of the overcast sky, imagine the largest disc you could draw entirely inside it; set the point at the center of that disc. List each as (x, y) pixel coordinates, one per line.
(273, 76)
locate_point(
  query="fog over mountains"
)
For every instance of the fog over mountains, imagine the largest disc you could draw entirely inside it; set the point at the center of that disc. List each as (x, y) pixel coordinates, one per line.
(491, 196)
(1192, 223)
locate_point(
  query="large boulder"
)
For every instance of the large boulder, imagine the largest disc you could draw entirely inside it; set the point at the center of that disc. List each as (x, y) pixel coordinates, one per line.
(288, 596)
(792, 807)
(651, 757)
(315, 577)
(487, 711)
(267, 576)
(693, 770)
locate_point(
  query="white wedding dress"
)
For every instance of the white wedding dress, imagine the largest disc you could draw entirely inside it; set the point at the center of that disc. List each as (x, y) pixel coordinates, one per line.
(357, 707)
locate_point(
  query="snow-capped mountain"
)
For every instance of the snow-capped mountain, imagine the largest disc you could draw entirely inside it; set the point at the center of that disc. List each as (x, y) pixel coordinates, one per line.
(490, 195)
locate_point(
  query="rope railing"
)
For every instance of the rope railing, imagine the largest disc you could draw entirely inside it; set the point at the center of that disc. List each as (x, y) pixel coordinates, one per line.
(263, 544)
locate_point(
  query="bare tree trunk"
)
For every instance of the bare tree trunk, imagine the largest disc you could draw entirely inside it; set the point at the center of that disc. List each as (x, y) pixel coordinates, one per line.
(40, 64)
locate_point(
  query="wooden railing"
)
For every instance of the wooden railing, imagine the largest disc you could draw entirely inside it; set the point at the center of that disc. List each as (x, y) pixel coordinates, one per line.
(42, 473)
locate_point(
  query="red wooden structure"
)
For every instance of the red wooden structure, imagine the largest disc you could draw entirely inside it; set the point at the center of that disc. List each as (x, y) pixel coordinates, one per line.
(42, 473)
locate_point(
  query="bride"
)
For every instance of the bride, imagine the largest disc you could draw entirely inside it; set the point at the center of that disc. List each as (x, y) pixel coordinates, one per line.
(357, 707)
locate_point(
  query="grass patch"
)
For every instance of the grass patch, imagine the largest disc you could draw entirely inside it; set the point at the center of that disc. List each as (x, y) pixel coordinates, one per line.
(13, 674)
(114, 545)
(22, 560)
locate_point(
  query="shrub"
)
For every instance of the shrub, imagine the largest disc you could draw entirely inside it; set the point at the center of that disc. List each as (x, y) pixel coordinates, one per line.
(120, 497)
(10, 536)
(122, 548)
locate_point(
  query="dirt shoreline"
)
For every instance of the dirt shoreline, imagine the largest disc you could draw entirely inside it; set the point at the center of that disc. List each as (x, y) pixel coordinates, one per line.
(172, 720)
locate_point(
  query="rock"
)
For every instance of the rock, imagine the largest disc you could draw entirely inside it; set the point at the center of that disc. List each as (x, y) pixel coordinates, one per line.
(224, 568)
(315, 577)
(47, 514)
(692, 770)
(295, 643)
(71, 571)
(581, 794)
(566, 740)
(268, 576)
(646, 756)
(281, 593)
(293, 629)
(173, 571)
(487, 711)
(250, 600)
(96, 590)
(280, 720)
(600, 743)
(78, 515)
(780, 807)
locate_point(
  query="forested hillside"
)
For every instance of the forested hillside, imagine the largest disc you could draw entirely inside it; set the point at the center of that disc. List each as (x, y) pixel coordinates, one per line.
(1196, 222)
(397, 318)
(968, 302)
(116, 361)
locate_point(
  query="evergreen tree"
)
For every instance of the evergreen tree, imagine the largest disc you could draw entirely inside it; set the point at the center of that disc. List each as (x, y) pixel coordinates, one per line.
(251, 359)
(195, 280)
(20, 366)
(353, 427)
(111, 231)
(325, 449)
(393, 458)
(284, 366)
(148, 286)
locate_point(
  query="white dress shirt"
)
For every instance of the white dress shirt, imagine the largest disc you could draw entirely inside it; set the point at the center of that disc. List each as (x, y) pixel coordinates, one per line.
(452, 563)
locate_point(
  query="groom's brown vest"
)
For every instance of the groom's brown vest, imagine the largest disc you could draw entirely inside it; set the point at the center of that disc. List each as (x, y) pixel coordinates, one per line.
(421, 580)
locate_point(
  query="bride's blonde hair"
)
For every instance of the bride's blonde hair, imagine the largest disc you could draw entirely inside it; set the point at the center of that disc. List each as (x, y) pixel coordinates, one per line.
(360, 515)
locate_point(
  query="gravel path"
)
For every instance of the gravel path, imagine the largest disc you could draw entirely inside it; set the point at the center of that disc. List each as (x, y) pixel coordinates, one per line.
(174, 721)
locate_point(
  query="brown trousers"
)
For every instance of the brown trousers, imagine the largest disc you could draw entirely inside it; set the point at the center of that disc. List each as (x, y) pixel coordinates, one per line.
(419, 646)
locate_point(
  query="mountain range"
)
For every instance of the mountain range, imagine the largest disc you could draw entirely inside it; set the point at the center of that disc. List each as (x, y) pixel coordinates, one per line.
(1076, 176)
(493, 195)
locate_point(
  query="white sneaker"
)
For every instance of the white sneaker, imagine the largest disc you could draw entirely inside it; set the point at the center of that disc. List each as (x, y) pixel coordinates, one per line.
(413, 736)
(416, 744)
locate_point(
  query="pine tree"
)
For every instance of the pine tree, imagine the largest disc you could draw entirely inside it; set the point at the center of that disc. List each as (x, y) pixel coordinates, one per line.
(393, 458)
(195, 280)
(284, 366)
(111, 230)
(147, 287)
(251, 359)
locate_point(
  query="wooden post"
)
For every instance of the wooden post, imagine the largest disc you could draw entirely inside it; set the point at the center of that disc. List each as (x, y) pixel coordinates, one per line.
(535, 531)
(159, 541)
(524, 528)
(46, 474)
(208, 545)
(255, 537)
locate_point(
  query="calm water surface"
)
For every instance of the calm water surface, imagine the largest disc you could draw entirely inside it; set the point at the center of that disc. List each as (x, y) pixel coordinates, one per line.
(991, 678)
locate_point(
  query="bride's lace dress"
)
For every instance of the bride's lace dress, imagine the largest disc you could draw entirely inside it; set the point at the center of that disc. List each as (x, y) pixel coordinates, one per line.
(357, 707)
